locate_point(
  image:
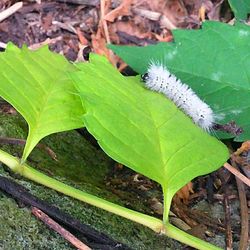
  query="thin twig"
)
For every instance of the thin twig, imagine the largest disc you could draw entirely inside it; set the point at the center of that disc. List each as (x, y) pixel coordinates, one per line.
(81, 2)
(11, 10)
(243, 213)
(59, 229)
(48, 41)
(237, 173)
(228, 226)
(104, 22)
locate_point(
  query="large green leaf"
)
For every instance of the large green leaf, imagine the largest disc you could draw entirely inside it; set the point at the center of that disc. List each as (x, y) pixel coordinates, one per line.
(37, 85)
(214, 61)
(144, 130)
(240, 8)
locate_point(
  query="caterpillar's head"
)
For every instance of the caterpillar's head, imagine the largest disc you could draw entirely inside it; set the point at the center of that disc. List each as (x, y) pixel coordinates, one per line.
(144, 77)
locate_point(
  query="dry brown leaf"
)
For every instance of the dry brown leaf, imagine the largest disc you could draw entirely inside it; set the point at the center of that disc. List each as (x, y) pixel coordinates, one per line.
(185, 191)
(99, 43)
(101, 38)
(99, 46)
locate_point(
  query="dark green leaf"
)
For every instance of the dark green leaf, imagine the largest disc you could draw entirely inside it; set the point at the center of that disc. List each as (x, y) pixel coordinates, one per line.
(213, 61)
(240, 8)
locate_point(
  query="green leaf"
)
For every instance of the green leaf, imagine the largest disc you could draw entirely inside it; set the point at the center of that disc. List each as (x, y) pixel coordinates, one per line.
(144, 130)
(213, 61)
(240, 8)
(37, 85)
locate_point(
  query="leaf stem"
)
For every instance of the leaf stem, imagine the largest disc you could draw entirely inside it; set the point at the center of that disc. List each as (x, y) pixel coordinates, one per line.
(167, 198)
(36, 176)
(177, 234)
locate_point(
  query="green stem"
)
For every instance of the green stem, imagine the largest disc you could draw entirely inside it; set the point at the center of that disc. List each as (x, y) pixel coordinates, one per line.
(177, 234)
(36, 176)
(146, 220)
(167, 198)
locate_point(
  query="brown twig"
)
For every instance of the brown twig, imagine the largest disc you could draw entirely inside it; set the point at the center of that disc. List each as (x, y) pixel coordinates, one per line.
(47, 41)
(59, 229)
(237, 173)
(103, 29)
(228, 226)
(10, 11)
(103, 21)
(81, 2)
(243, 213)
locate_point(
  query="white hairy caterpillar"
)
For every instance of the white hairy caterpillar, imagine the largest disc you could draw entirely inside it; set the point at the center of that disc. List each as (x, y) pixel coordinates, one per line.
(159, 79)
